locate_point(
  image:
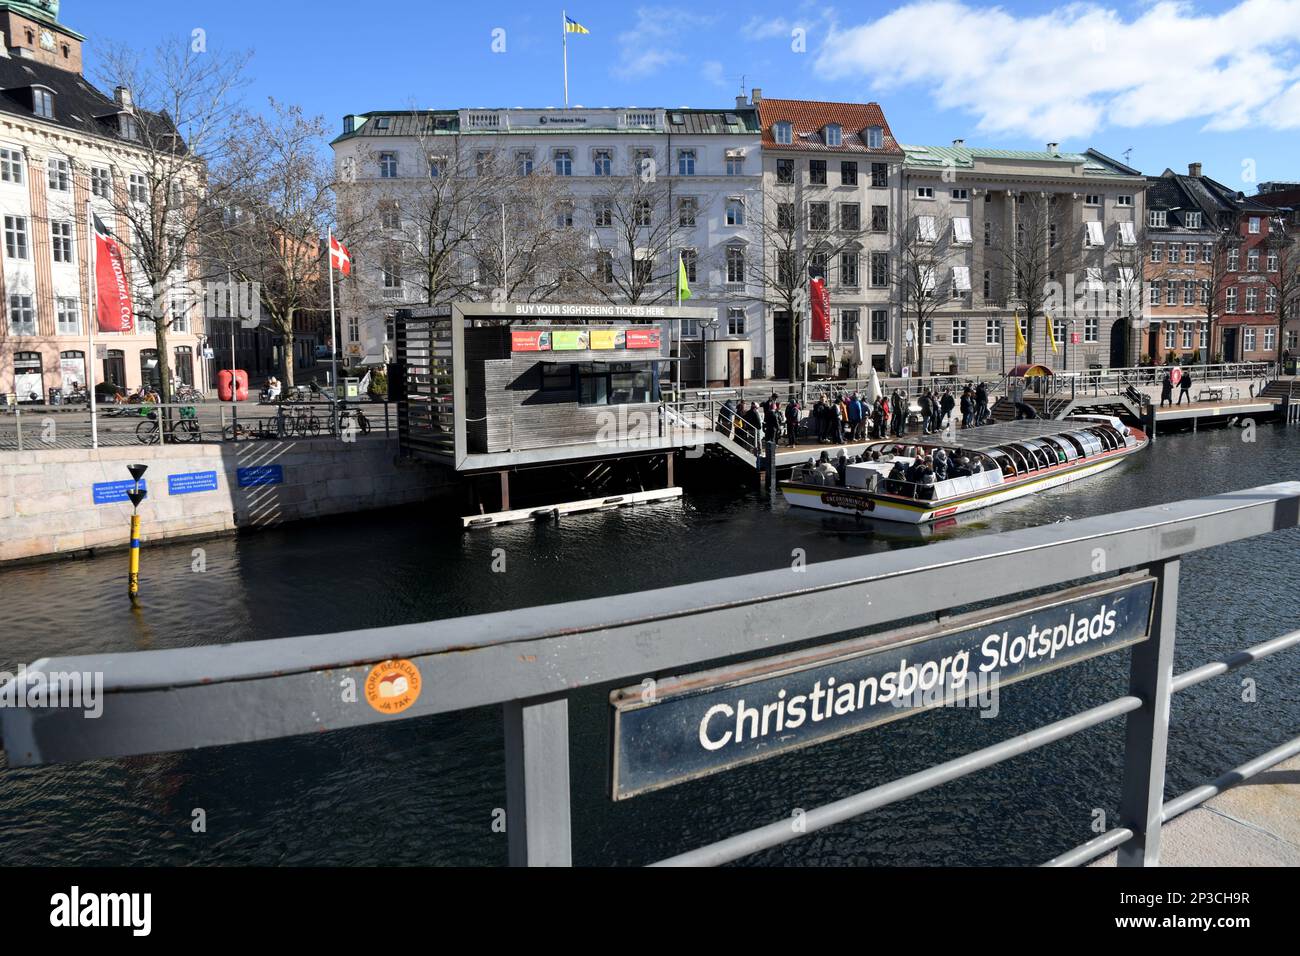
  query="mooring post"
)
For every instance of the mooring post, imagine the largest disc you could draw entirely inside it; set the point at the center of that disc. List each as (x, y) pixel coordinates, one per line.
(771, 471)
(669, 459)
(505, 489)
(537, 782)
(1146, 734)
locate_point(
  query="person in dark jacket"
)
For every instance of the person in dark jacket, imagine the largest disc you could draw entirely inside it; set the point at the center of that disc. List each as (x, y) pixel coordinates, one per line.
(946, 403)
(981, 403)
(967, 408)
(754, 433)
(792, 421)
(927, 412)
(1185, 388)
(1166, 390)
(771, 422)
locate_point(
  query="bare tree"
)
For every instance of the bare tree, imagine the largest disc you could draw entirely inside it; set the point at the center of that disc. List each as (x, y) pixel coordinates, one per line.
(925, 247)
(278, 188)
(1284, 281)
(176, 107)
(1217, 277)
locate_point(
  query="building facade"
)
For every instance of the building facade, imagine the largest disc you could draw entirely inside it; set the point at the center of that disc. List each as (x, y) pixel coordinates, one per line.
(64, 144)
(976, 218)
(830, 190)
(691, 178)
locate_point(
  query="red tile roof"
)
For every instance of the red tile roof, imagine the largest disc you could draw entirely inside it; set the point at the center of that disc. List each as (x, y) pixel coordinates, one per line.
(809, 117)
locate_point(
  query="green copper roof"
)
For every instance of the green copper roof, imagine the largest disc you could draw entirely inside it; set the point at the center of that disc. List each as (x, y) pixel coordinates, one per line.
(963, 157)
(42, 11)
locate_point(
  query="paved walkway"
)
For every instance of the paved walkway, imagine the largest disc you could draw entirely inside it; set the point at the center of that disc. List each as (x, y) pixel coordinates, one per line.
(1255, 823)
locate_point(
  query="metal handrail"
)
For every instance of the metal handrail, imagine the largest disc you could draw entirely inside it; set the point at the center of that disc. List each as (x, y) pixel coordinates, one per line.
(531, 660)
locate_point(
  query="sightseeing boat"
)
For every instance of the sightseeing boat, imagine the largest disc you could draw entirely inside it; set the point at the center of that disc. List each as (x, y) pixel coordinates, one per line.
(1000, 463)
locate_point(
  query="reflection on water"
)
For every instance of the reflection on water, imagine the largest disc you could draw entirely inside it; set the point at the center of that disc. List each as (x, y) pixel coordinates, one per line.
(339, 798)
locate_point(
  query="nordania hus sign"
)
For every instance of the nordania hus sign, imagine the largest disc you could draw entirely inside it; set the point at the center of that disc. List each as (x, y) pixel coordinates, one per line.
(681, 728)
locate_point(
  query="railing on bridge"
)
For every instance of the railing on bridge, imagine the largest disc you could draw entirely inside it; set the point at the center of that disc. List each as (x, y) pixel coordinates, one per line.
(530, 661)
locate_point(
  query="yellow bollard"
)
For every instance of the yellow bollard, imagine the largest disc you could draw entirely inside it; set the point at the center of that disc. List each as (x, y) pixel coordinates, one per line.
(133, 586)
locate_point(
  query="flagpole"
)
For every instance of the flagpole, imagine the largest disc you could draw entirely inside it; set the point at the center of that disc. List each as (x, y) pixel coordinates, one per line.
(564, 41)
(674, 330)
(90, 323)
(334, 330)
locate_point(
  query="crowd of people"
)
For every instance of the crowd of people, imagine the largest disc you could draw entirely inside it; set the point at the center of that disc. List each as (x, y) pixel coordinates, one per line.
(912, 473)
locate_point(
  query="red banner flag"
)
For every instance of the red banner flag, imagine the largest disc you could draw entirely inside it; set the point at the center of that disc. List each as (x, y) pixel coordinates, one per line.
(113, 308)
(340, 258)
(821, 310)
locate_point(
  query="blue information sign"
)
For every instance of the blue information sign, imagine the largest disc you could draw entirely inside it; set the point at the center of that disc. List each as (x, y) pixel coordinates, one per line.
(687, 727)
(261, 475)
(188, 482)
(110, 492)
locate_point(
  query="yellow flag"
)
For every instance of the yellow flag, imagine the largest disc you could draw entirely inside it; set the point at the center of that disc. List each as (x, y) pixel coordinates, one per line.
(1020, 336)
(683, 290)
(1051, 331)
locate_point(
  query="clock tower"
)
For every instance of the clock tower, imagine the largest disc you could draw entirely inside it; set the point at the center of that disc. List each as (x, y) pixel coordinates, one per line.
(32, 30)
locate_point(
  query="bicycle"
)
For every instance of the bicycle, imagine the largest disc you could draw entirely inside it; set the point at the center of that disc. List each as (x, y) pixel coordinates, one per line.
(305, 423)
(188, 393)
(183, 429)
(353, 420)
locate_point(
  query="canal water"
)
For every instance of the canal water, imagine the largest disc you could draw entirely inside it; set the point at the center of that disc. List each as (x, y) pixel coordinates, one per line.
(424, 791)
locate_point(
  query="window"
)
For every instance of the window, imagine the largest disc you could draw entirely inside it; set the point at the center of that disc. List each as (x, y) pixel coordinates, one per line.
(16, 237)
(688, 208)
(879, 175)
(691, 260)
(925, 229)
(1270, 339)
(22, 317)
(180, 315)
(1272, 260)
(42, 103)
(819, 216)
(1189, 292)
(390, 216)
(817, 172)
(850, 216)
(879, 270)
(783, 133)
(1207, 252)
(1091, 328)
(817, 265)
(483, 162)
(1124, 200)
(1270, 300)
(1252, 300)
(387, 166)
(848, 174)
(619, 383)
(1189, 253)
(603, 212)
(785, 171)
(927, 331)
(1157, 252)
(61, 241)
(735, 321)
(1092, 199)
(735, 211)
(961, 230)
(602, 162)
(564, 215)
(1252, 260)
(833, 135)
(60, 174)
(436, 166)
(880, 218)
(1230, 301)
(391, 264)
(875, 137)
(960, 280)
(849, 269)
(1254, 225)
(927, 281)
(735, 264)
(686, 162)
(68, 316)
(924, 192)
(1051, 235)
(1094, 237)
(848, 324)
(785, 216)
(127, 127)
(563, 159)
(1192, 220)
(988, 233)
(1171, 293)
(1171, 335)
(642, 212)
(1234, 260)
(958, 331)
(785, 271)
(354, 329)
(604, 268)
(879, 325)
(1174, 252)
(988, 284)
(1187, 335)
(1157, 218)
(1248, 338)
(1127, 235)
(992, 332)
(735, 164)
(524, 163)
(1205, 292)
(11, 166)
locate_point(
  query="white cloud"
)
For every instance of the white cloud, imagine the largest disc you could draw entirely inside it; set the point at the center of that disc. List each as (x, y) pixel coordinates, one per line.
(712, 72)
(760, 29)
(1080, 67)
(649, 46)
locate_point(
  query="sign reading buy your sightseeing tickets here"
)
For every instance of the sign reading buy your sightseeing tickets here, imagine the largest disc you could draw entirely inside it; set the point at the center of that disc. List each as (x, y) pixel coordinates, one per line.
(681, 728)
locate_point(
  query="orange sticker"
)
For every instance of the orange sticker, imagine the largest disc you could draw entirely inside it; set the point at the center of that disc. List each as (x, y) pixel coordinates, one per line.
(393, 686)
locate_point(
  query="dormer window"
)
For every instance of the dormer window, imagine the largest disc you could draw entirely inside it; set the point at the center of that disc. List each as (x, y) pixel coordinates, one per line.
(127, 127)
(783, 133)
(43, 102)
(833, 135)
(875, 137)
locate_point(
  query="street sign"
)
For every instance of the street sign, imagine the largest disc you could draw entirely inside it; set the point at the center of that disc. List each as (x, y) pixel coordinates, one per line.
(1074, 338)
(681, 728)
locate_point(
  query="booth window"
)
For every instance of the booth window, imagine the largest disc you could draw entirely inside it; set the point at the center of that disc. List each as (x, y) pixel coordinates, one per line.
(557, 378)
(618, 383)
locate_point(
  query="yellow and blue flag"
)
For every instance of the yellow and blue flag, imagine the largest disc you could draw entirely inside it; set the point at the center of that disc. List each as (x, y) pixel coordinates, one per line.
(573, 26)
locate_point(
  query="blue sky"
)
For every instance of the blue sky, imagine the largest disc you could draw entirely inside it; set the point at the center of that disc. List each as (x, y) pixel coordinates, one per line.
(1215, 81)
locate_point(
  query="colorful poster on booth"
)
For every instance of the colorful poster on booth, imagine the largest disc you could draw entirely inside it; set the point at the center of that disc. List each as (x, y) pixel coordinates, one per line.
(570, 341)
(643, 338)
(606, 339)
(530, 341)
(821, 310)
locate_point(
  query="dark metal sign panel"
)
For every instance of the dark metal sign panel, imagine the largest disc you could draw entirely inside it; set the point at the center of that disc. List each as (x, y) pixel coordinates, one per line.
(677, 729)
(255, 475)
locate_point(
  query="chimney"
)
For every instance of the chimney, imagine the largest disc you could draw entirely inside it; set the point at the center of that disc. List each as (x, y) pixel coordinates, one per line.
(741, 102)
(1194, 170)
(755, 96)
(122, 96)
(1051, 148)
(959, 142)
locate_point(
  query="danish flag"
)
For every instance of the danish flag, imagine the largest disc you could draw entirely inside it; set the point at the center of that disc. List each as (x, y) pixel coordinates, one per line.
(340, 258)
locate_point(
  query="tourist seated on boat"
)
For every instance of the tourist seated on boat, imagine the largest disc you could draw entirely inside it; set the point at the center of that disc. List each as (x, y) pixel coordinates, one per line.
(829, 475)
(940, 464)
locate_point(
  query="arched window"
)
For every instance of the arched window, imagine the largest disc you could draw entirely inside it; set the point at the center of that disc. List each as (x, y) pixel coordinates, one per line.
(29, 382)
(72, 369)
